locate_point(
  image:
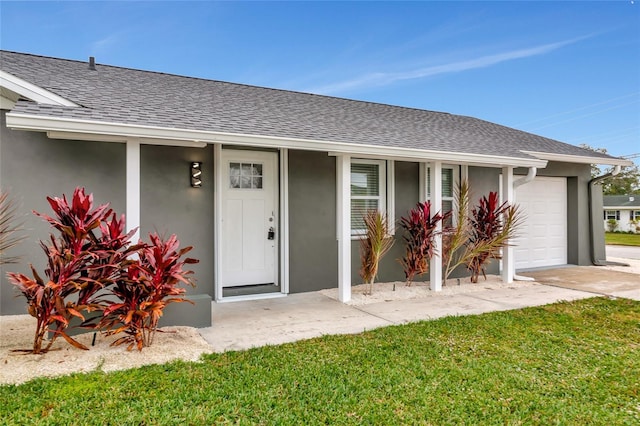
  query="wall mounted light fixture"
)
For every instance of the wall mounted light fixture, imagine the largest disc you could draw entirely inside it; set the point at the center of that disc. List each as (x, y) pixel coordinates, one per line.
(196, 174)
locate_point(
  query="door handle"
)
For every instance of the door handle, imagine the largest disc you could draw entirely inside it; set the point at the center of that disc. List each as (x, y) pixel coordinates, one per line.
(271, 234)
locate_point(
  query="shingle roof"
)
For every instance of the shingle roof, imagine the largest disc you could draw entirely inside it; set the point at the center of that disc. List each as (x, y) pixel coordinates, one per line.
(127, 96)
(621, 201)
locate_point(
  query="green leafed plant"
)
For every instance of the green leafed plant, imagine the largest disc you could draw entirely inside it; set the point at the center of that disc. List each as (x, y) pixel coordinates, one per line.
(374, 244)
(150, 284)
(9, 228)
(420, 230)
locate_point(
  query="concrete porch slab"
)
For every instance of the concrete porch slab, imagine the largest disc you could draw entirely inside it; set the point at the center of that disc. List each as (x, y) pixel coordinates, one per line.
(504, 299)
(245, 324)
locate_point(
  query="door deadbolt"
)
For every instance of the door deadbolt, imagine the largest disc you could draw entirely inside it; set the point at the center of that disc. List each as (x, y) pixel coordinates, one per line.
(271, 234)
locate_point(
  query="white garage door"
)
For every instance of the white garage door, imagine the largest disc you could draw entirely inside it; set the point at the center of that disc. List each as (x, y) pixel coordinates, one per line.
(542, 237)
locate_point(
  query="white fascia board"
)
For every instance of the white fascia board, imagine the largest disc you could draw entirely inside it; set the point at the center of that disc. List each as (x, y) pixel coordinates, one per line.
(566, 158)
(18, 121)
(122, 139)
(621, 207)
(31, 91)
(448, 157)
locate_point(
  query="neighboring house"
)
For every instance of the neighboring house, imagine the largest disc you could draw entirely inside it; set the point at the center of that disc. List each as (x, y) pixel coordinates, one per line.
(285, 176)
(624, 209)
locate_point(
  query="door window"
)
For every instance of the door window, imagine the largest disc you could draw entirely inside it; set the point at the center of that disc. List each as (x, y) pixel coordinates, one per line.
(245, 175)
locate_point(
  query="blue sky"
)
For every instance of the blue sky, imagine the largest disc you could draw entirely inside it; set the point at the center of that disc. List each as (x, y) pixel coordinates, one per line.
(565, 70)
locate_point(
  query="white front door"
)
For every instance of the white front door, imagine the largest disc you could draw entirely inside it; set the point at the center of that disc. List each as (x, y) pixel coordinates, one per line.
(249, 220)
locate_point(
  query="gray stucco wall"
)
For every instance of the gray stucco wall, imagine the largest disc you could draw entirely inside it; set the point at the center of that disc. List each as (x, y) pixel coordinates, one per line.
(312, 216)
(33, 167)
(169, 205)
(313, 261)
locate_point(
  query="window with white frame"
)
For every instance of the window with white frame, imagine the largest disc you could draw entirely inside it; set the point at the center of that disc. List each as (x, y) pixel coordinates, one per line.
(449, 180)
(612, 215)
(368, 191)
(635, 215)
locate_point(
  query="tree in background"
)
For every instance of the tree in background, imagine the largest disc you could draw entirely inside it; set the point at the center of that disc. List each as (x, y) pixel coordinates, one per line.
(626, 182)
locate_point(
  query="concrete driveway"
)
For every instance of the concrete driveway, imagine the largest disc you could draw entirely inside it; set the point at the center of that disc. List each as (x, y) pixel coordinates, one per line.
(624, 252)
(593, 279)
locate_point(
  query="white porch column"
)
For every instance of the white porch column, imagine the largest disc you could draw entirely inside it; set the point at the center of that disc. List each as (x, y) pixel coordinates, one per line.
(464, 172)
(508, 265)
(133, 188)
(435, 268)
(343, 215)
(422, 187)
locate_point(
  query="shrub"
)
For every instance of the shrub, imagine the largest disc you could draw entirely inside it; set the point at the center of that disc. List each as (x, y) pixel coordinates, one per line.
(420, 229)
(374, 244)
(81, 263)
(480, 235)
(492, 225)
(78, 262)
(150, 284)
(612, 225)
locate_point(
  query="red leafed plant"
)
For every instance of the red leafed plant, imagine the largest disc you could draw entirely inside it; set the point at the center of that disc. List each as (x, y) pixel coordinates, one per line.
(78, 263)
(151, 283)
(491, 226)
(479, 235)
(420, 229)
(91, 262)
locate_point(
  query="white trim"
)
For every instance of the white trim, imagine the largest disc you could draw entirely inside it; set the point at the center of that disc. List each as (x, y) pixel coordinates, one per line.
(435, 267)
(382, 197)
(343, 212)
(621, 207)
(284, 221)
(582, 159)
(281, 232)
(508, 195)
(391, 196)
(217, 214)
(422, 185)
(122, 139)
(248, 297)
(455, 179)
(31, 91)
(133, 189)
(38, 123)
(464, 173)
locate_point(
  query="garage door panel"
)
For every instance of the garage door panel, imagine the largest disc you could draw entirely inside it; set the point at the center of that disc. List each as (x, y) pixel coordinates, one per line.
(542, 240)
(556, 230)
(539, 208)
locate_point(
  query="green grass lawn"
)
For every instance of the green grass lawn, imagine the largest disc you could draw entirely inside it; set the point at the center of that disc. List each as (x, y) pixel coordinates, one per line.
(568, 363)
(622, 239)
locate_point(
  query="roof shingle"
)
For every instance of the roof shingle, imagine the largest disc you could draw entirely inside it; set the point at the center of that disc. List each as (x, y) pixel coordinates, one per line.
(127, 96)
